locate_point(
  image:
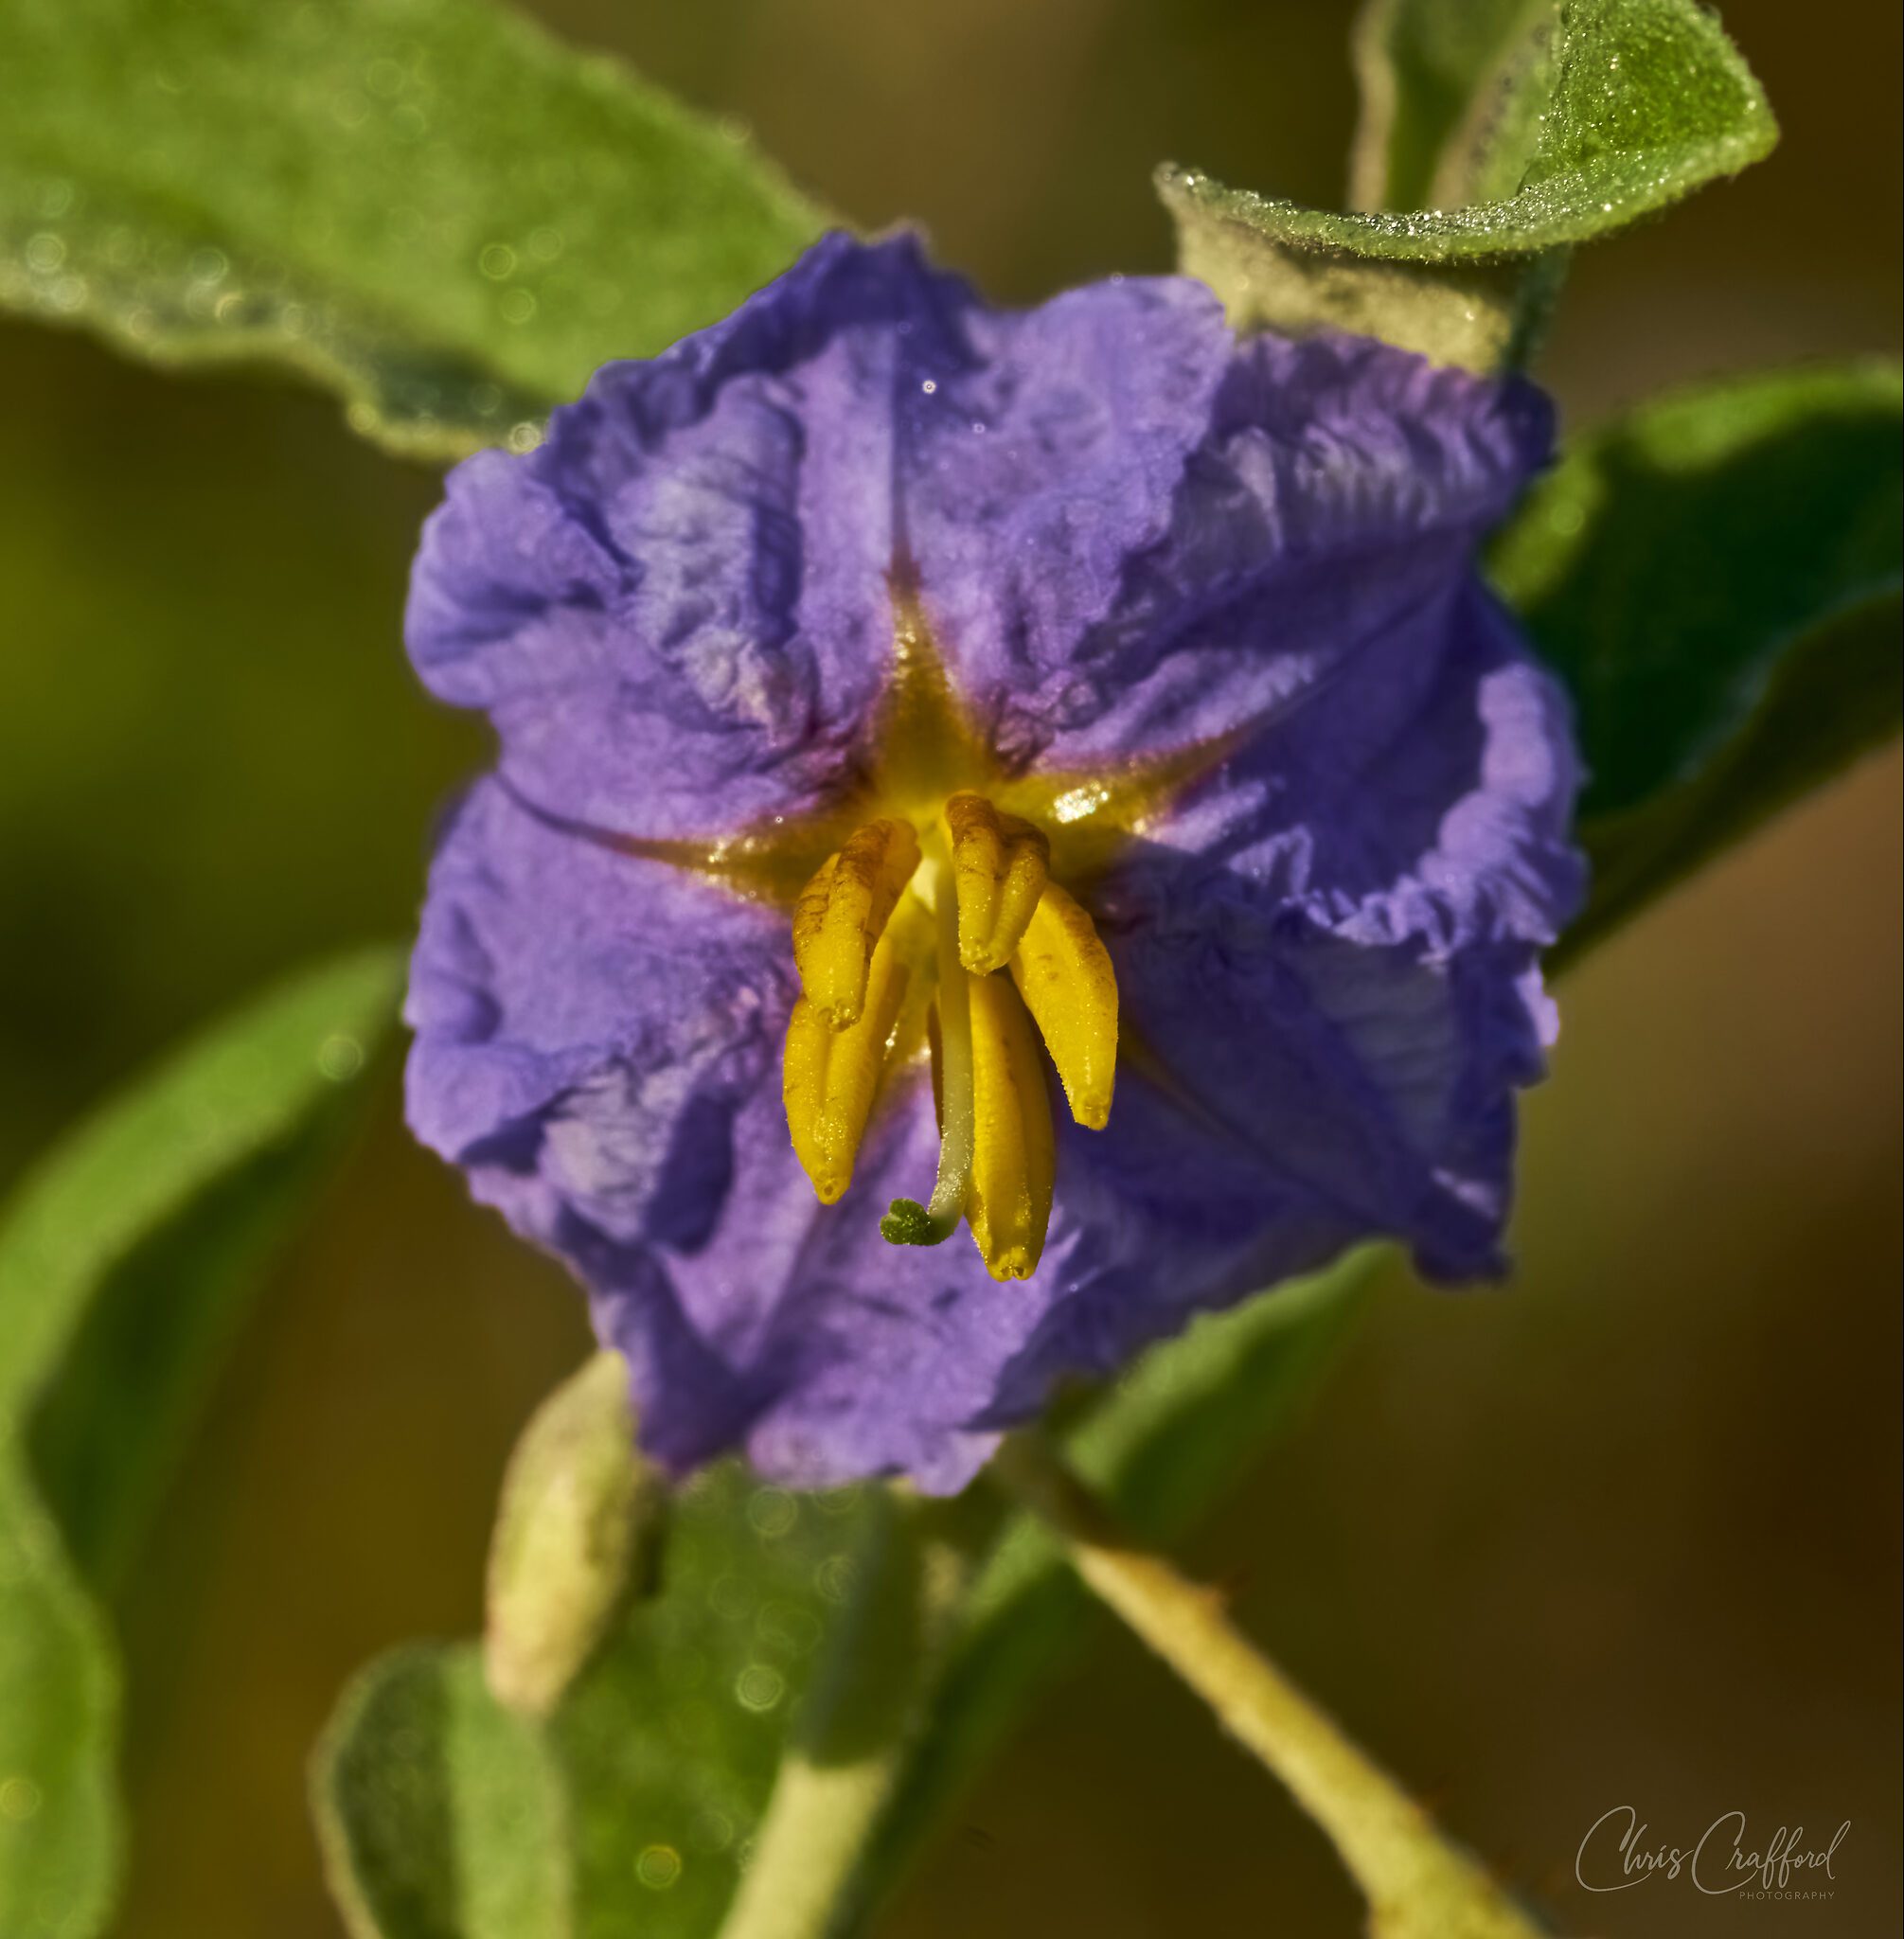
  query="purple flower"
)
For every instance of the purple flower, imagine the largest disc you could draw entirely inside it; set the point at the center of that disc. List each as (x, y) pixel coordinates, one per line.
(1076, 692)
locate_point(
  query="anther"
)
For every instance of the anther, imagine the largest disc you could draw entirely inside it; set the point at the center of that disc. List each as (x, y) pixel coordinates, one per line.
(861, 937)
(842, 912)
(1009, 1201)
(831, 1074)
(1063, 972)
(1000, 867)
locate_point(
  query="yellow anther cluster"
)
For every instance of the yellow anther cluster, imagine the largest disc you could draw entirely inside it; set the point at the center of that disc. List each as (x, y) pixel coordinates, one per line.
(960, 939)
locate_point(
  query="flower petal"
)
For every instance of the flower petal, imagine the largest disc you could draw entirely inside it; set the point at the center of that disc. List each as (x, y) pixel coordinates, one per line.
(587, 1025)
(1041, 460)
(1422, 794)
(1337, 487)
(676, 608)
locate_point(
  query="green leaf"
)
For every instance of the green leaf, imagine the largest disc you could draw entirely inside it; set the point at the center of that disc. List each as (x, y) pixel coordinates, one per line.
(1617, 108)
(1445, 89)
(441, 1812)
(862, 1714)
(655, 1767)
(1717, 577)
(124, 1260)
(427, 205)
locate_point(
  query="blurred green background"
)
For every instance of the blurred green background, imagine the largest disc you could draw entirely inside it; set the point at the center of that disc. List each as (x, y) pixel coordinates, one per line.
(1623, 1533)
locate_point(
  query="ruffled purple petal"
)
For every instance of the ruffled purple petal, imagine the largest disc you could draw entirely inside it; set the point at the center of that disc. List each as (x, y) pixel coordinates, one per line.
(676, 609)
(1044, 460)
(587, 1025)
(1422, 796)
(1329, 966)
(1337, 486)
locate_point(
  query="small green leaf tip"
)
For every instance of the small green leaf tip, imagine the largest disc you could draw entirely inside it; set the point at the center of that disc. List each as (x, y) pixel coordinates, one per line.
(910, 1224)
(576, 1536)
(1495, 134)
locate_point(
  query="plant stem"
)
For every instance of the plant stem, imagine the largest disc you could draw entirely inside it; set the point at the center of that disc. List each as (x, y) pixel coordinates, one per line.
(1417, 1885)
(811, 1842)
(857, 1727)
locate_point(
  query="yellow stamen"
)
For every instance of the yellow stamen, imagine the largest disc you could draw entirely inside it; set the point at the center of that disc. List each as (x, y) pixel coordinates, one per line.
(1009, 1201)
(999, 866)
(831, 1074)
(842, 912)
(1063, 971)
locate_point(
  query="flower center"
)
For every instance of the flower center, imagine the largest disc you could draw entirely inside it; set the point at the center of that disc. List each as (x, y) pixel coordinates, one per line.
(953, 933)
(934, 920)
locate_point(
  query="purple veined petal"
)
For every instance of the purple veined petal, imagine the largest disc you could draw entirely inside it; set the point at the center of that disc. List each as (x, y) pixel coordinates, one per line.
(866, 1358)
(1422, 796)
(1338, 485)
(676, 609)
(1331, 951)
(1292, 1137)
(586, 1023)
(1036, 470)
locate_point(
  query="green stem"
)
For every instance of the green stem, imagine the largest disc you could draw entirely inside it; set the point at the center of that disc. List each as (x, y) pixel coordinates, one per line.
(1417, 1885)
(859, 1726)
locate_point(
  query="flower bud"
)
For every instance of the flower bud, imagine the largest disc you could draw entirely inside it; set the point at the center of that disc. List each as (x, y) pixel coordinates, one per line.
(577, 1536)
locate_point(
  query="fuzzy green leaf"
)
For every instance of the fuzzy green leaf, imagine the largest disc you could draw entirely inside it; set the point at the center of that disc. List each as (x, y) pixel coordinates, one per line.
(124, 1260)
(1446, 88)
(649, 1777)
(427, 205)
(440, 1813)
(1617, 108)
(1717, 577)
